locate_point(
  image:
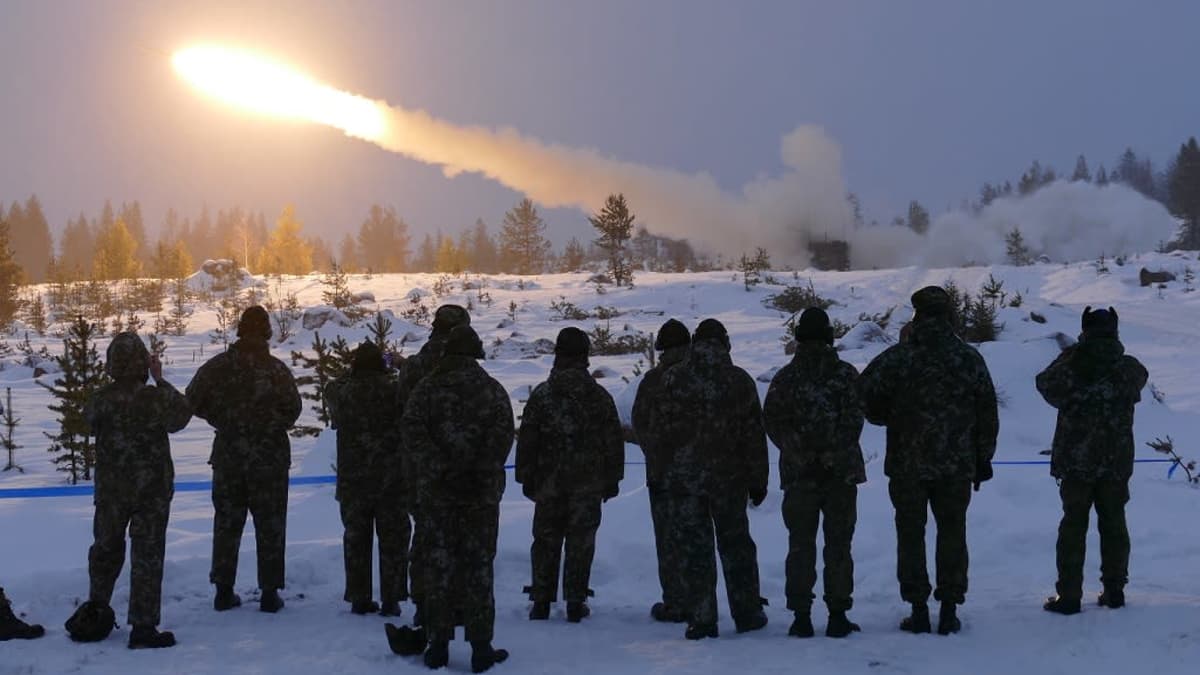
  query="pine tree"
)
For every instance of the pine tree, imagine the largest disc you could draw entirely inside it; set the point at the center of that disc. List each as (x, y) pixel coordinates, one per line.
(1081, 171)
(1101, 176)
(1016, 250)
(286, 251)
(614, 222)
(9, 421)
(77, 249)
(573, 256)
(522, 243)
(330, 360)
(348, 254)
(116, 252)
(918, 217)
(11, 277)
(1135, 172)
(447, 257)
(1183, 190)
(30, 239)
(383, 241)
(483, 249)
(82, 373)
(131, 215)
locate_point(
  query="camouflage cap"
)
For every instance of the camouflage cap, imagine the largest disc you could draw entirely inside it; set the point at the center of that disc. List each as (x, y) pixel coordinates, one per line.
(572, 342)
(127, 358)
(931, 301)
(672, 334)
(1099, 322)
(448, 316)
(255, 323)
(464, 341)
(368, 358)
(813, 326)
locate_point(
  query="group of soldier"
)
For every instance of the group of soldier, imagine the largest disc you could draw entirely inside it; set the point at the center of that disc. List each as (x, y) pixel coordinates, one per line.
(421, 453)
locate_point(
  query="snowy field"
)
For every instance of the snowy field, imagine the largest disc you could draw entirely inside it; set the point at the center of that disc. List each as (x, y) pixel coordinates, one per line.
(1012, 524)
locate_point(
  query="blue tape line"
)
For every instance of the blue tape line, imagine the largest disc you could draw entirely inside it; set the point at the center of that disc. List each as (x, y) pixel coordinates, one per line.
(297, 481)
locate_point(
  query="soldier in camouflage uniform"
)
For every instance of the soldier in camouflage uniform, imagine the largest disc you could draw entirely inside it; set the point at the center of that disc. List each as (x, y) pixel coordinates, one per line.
(458, 427)
(570, 457)
(1095, 386)
(12, 627)
(413, 370)
(934, 394)
(250, 398)
(134, 482)
(710, 425)
(673, 340)
(812, 413)
(370, 483)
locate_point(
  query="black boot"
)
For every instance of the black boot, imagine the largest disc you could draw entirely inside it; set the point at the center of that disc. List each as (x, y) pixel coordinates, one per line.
(270, 602)
(1113, 597)
(12, 628)
(405, 640)
(577, 611)
(148, 637)
(361, 607)
(840, 626)
(665, 613)
(948, 619)
(699, 631)
(751, 622)
(483, 656)
(918, 621)
(389, 608)
(1060, 605)
(437, 655)
(540, 611)
(226, 598)
(801, 625)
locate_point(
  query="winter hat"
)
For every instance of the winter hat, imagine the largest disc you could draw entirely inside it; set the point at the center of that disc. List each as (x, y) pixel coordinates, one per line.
(711, 329)
(813, 326)
(464, 341)
(1099, 322)
(572, 342)
(448, 316)
(368, 358)
(127, 358)
(672, 334)
(931, 301)
(255, 323)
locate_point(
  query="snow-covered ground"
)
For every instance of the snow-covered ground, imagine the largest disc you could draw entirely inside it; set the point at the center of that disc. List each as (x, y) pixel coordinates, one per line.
(1012, 528)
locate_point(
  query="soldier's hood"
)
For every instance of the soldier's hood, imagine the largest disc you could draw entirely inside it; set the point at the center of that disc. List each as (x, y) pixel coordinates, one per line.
(709, 354)
(251, 346)
(1097, 353)
(673, 355)
(569, 377)
(454, 369)
(814, 352)
(932, 331)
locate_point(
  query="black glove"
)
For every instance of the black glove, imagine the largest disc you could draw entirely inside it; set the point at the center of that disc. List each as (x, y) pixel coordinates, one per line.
(977, 486)
(610, 492)
(529, 491)
(983, 473)
(757, 496)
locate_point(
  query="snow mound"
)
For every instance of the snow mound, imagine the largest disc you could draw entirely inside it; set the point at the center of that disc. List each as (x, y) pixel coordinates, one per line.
(219, 276)
(516, 348)
(316, 317)
(863, 335)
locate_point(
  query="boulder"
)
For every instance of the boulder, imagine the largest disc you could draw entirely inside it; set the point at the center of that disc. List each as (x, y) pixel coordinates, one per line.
(316, 317)
(1147, 278)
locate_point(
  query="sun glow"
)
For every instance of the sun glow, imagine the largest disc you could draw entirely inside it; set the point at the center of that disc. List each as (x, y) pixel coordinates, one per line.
(256, 84)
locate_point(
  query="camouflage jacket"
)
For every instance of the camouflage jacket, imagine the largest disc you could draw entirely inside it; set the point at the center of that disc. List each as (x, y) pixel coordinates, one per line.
(131, 423)
(1094, 385)
(416, 367)
(812, 414)
(250, 398)
(570, 441)
(458, 428)
(369, 454)
(649, 395)
(712, 439)
(935, 396)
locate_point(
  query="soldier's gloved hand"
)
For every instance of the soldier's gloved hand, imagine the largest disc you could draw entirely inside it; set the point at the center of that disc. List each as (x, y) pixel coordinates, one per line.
(757, 497)
(529, 491)
(611, 491)
(977, 486)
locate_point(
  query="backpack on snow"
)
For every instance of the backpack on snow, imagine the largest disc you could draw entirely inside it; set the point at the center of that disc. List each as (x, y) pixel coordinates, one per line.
(91, 622)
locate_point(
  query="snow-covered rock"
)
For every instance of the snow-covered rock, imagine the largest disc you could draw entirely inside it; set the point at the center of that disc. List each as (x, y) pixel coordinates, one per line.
(863, 334)
(517, 348)
(316, 317)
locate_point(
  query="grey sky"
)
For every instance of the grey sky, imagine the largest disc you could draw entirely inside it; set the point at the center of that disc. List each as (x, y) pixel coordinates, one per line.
(926, 98)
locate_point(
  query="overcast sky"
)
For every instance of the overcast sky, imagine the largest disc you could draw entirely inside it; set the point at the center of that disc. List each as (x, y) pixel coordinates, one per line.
(927, 99)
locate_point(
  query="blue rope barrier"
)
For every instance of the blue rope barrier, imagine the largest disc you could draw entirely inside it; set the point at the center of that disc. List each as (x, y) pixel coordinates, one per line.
(300, 481)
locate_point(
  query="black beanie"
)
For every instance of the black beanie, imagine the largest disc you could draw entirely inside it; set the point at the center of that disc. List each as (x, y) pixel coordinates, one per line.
(711, 329)
(572, 342)
(255, 323)
(1099, 322)
(813, 326)
(464, 341)
(368, 358)
(672, 334)
(448, 316)
(931, 301)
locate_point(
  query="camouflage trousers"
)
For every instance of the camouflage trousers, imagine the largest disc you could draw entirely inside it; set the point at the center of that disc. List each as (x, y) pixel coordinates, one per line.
(834, 506)
(560, 522)
(459, 569)
(695, 519)
(365, 518)
(263, 494)
(146, 520)
(669, 568)
(1078, 498)
(948, 499)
